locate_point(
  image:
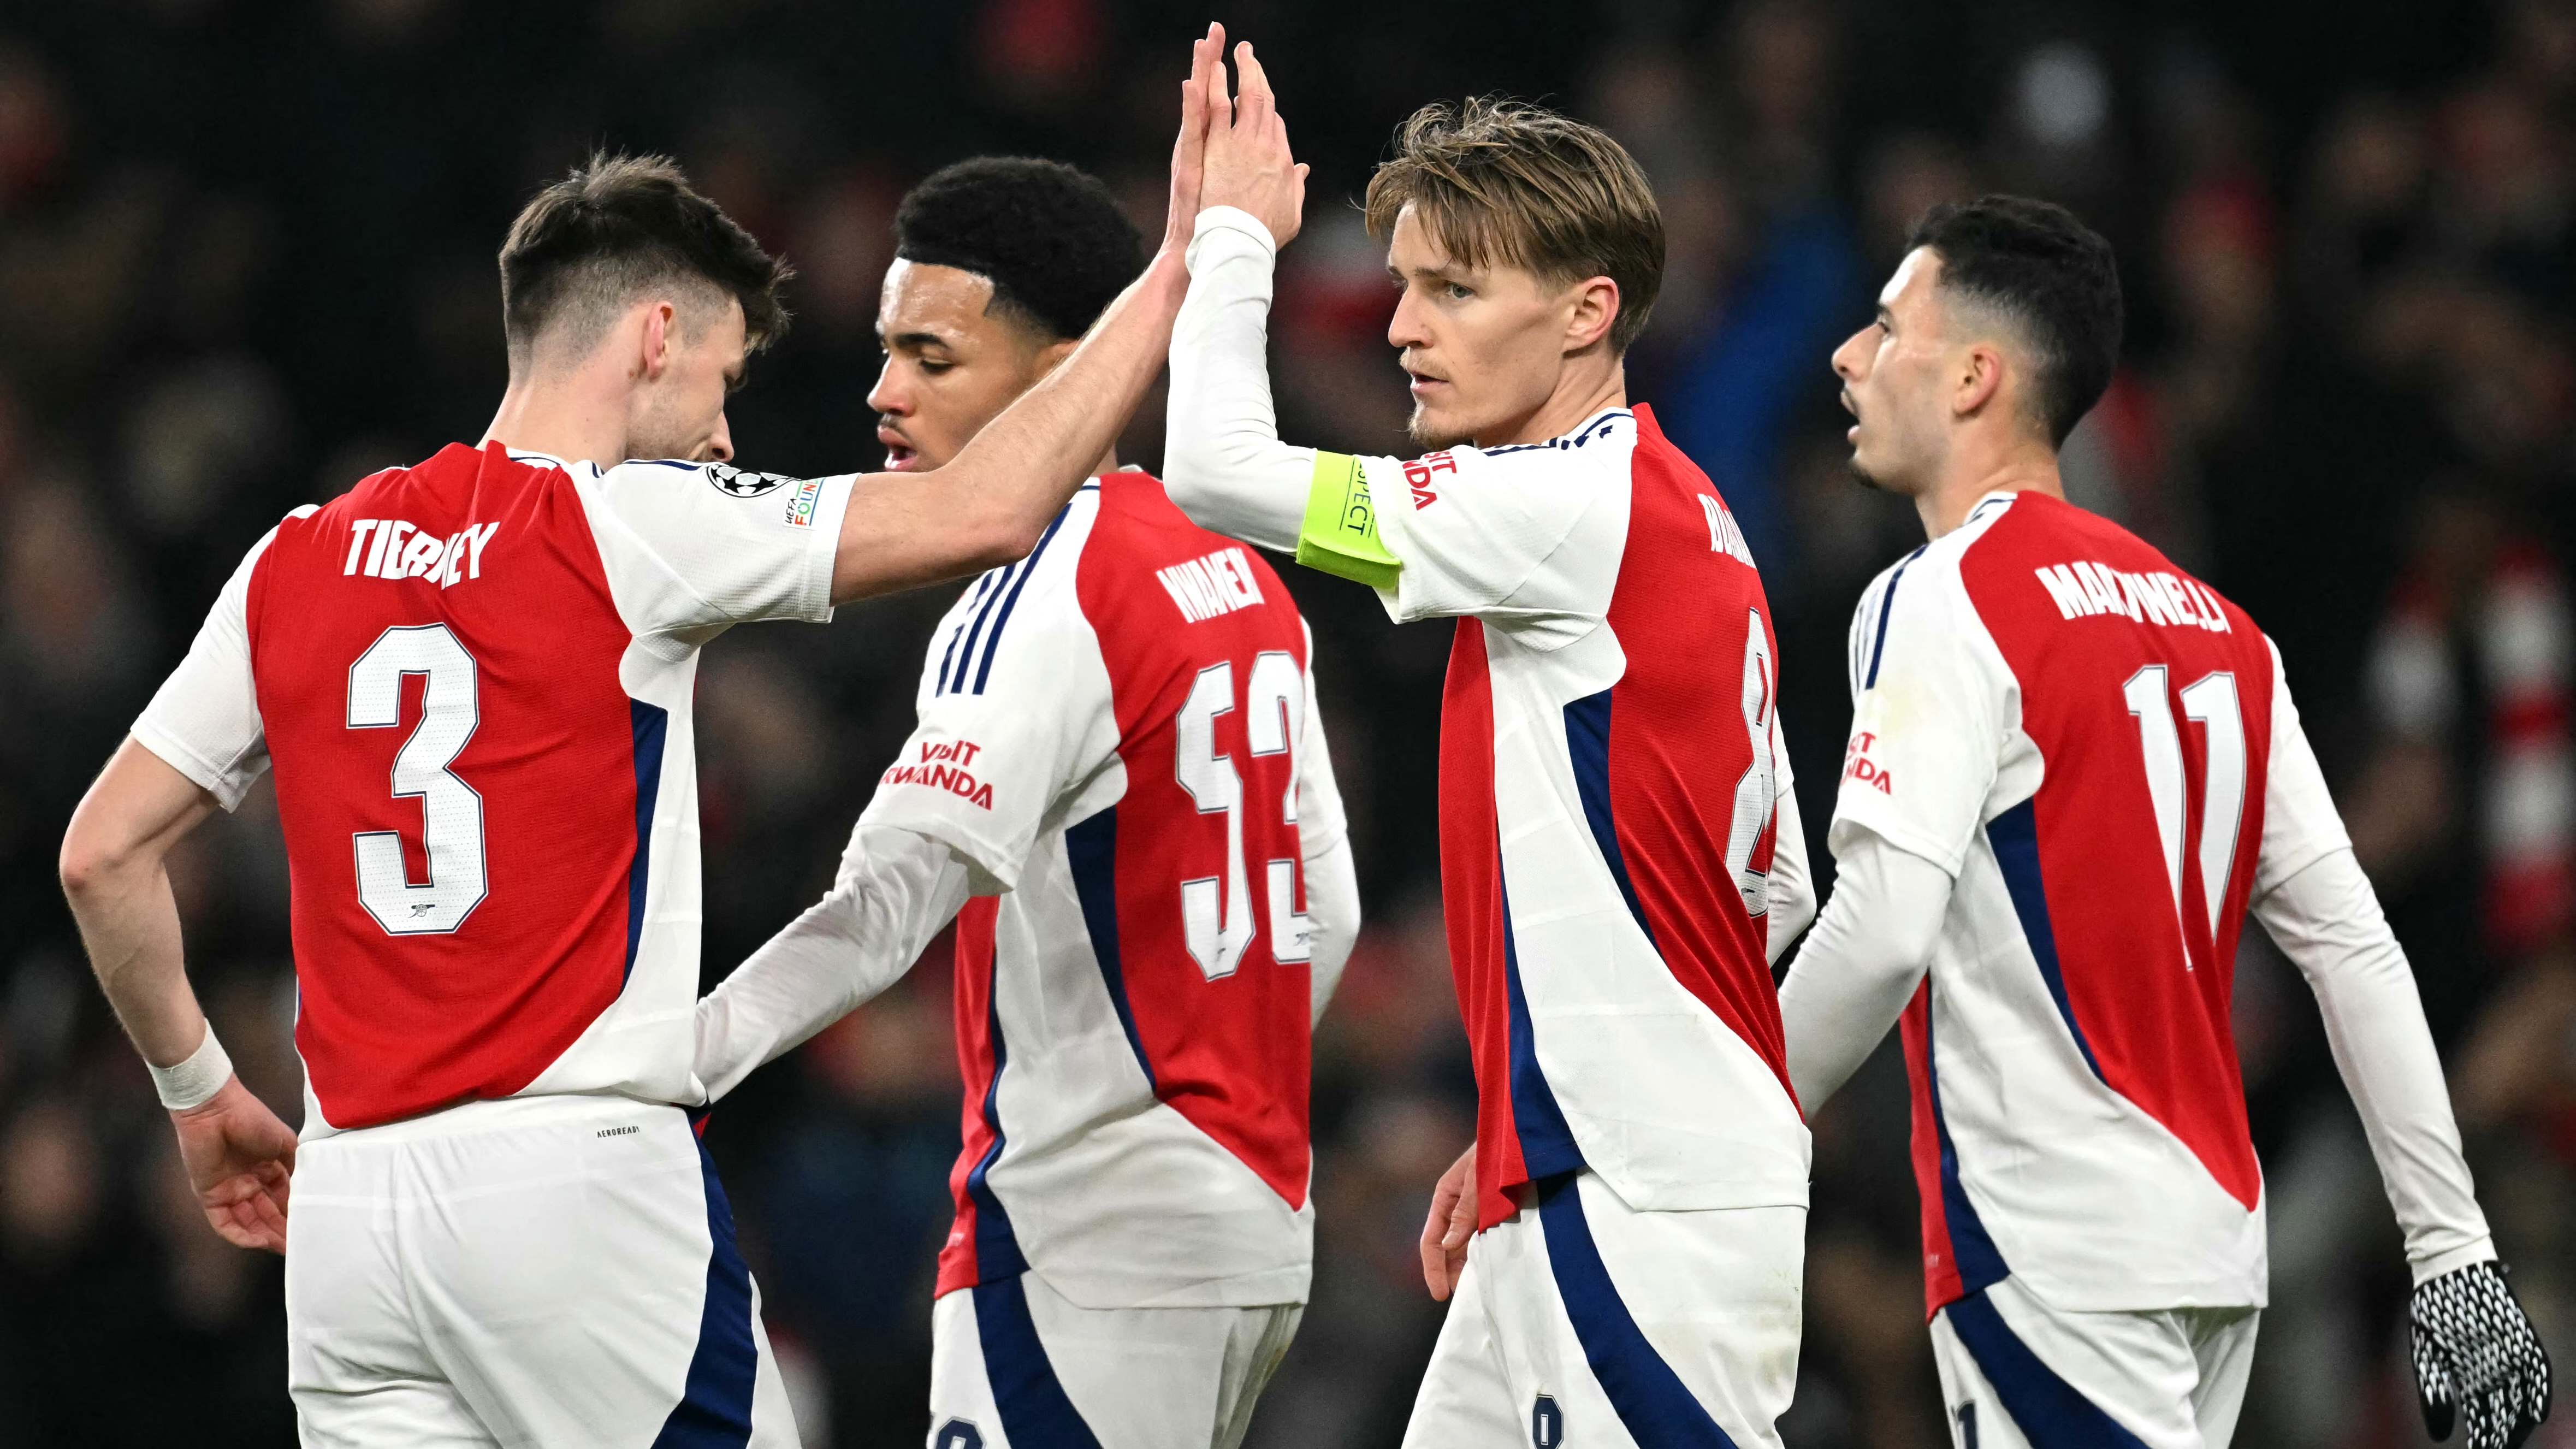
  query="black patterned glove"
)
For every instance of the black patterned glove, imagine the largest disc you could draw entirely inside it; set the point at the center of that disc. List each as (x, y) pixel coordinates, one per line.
(2477, 1360)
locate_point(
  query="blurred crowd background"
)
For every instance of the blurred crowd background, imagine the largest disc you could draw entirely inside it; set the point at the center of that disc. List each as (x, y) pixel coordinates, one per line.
(246, 257)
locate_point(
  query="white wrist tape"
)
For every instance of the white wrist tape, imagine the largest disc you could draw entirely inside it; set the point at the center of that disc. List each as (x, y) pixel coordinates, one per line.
(194, 1082)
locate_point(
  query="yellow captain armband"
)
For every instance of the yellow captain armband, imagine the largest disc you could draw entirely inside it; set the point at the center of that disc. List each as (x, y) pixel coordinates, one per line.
(1340, 532)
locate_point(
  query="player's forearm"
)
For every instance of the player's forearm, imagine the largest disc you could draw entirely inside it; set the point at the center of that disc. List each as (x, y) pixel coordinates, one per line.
(1223, 462)
(1333, 906)
(895, 890)
(991, 503)
(2327, 920)
(129, 924)
(1861, 964)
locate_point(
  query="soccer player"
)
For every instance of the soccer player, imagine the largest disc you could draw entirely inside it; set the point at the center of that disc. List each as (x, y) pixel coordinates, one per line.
(2073, 770)
(472, 678)
(1120, 774)
(1620, 853)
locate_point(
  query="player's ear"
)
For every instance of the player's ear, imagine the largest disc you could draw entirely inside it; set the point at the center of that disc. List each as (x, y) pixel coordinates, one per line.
(1054, 353)
(1596, 306)
(1978, 379)
(660, 333)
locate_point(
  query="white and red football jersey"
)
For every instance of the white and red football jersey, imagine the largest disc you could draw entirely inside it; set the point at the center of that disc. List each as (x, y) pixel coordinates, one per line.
(473, 680)
(1610, 770)
(1119, 735)
(2103, 754)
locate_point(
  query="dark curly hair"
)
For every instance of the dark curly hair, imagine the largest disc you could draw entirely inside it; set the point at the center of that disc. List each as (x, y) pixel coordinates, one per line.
(615, 228)
(2053, 276)
(1048, 237)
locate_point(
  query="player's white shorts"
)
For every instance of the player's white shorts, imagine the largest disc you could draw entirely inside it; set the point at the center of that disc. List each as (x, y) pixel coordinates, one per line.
(554, 1271)
(1585, 1324)
(1013, 1363)
(2018, 1374)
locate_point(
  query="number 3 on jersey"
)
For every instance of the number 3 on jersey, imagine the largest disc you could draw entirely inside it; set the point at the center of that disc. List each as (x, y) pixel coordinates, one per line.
(451, 813)
(1216, 917)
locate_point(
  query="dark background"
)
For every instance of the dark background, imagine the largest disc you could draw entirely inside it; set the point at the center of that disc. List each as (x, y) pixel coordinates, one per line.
(246, 257)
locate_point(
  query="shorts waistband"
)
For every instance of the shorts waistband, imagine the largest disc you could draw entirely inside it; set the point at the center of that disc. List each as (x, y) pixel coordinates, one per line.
(500, 1115)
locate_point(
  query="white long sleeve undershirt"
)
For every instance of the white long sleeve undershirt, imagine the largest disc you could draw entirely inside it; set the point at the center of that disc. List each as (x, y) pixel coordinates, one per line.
(1869, 951)
(1223, 463)
(895, 890)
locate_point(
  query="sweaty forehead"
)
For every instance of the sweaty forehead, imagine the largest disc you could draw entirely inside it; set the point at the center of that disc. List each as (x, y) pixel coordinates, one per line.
(949, 303)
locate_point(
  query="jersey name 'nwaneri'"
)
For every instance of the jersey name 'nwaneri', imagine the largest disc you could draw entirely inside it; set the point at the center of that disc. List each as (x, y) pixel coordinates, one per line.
(2102, 752)
(473, 678)
(1119, 731)
(1610, 770)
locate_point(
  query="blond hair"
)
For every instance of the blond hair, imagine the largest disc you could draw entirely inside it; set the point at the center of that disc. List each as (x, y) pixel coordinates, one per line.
(1497, 181)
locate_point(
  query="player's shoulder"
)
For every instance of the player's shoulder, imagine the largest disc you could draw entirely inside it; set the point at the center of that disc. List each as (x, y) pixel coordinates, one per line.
(2059, 561)
(1604, 443)
(1031, 605)
(1145, 554)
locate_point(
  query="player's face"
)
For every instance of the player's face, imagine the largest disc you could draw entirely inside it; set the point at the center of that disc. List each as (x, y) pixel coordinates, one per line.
(1483, 346)
(1892, 372)
(681, 412)
(951, 365)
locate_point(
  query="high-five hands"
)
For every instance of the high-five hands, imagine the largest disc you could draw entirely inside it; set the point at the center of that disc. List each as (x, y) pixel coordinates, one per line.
(1247, 164)
(1189, 148)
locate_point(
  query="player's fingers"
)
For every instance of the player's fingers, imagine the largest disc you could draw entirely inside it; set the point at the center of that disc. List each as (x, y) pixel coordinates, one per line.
(1252, 85)
(1220, 101)
(232, 1230)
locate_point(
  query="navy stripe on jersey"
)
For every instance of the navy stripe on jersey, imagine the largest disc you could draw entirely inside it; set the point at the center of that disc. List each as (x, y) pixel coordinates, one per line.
(652, 726)
(1587, 740)
(2015, 838)
(1972, 1249)
(1650, 1399)
(1034, 1406)
(1886, 604)
(997, 1248)
(1547, 1144)
(983, 585)
(1011, 601)
(714, 1411)
(2050, 1412)
(1091, 849)
(957, 683)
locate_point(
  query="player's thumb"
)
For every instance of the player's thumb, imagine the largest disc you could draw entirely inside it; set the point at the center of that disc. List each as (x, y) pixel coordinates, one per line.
(2439, 1413)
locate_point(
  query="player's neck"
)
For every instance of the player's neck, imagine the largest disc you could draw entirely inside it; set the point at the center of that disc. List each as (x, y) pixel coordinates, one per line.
(1579, 395)
(558, 416)
(1946, 505)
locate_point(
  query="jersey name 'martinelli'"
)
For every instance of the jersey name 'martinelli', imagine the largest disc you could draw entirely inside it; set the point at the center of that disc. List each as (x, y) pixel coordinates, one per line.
(1214, 584)
(2084, 588)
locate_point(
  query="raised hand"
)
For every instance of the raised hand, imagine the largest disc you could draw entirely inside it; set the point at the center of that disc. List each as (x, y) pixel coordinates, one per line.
(1451, 1223)
(2477, 1362)
(1248, 163)
(239, 1159)
(1189, 148)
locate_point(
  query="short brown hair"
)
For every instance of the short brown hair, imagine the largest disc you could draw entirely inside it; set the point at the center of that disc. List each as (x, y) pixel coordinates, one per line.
(1499, 181)
(615, 227)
